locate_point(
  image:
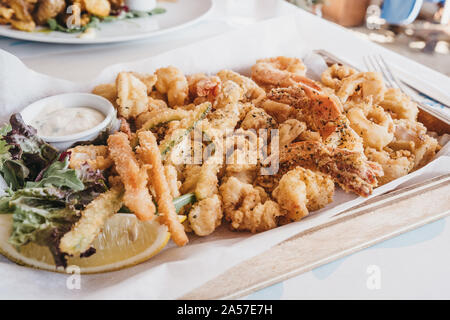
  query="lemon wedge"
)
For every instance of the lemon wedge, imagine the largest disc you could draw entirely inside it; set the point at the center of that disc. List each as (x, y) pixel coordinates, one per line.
(124, 241)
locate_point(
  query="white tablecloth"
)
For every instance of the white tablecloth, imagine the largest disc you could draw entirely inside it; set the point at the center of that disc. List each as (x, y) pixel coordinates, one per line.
(414, 265)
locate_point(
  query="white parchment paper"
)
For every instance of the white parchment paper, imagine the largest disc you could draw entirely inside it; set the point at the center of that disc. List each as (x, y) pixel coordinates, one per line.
(175, 271)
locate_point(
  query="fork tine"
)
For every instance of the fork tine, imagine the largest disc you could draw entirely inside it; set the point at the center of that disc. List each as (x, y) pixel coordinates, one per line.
(368, 67)
(385, 74)
(395, 79)
(374, 65)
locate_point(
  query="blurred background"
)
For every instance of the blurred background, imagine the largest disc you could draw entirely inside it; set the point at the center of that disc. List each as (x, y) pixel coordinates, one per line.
(418, 29)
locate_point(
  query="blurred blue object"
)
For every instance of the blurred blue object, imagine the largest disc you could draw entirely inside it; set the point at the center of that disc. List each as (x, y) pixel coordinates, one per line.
(400, 12)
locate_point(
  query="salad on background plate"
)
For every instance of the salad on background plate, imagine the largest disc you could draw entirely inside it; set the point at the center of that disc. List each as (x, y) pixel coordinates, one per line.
(96, 21)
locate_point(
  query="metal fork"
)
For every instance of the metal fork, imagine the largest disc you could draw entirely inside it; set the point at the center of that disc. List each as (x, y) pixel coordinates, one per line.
(378, 64)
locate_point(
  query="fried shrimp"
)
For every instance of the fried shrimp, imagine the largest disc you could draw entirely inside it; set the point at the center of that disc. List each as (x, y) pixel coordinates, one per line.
(172, 82)
(149, 154)
(202, 86)
(323, 113)
(351, 170)
(279, 111)
(281, 72)
(137, 197)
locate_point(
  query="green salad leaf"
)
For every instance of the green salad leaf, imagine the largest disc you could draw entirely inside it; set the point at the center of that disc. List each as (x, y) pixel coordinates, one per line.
(45, 196)
(54, 25)
(58, 175)
(14, 172)
(40, 216)
(23, 155)
(94, 22)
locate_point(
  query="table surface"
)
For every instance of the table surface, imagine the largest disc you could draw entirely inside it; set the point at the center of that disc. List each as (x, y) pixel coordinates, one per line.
(413, 265)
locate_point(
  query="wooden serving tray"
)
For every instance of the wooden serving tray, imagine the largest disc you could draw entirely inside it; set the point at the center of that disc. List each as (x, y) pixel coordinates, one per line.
(378, 219)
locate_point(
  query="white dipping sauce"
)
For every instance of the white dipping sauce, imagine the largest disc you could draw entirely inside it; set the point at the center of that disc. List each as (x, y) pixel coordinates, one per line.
(141, 5)
(54, 121)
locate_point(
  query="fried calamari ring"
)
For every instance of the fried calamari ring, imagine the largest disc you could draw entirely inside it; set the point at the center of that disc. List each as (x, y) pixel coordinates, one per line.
(333, 76)
(400, 105)
(362, 85)
(376, 127)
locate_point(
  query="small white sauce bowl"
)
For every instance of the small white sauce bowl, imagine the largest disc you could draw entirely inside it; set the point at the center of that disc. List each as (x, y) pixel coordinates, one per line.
(141, 5)
(72, 100)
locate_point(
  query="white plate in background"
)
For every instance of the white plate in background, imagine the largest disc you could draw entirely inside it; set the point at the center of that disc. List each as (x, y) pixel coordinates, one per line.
(179, 14)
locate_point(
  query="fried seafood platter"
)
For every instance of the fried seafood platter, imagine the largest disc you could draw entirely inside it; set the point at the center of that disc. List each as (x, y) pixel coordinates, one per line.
(197, 151)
